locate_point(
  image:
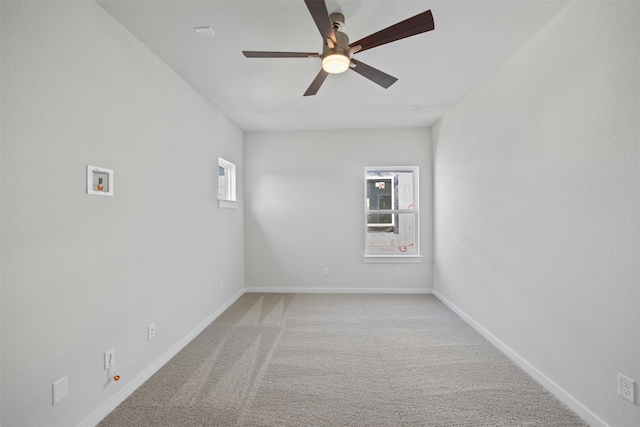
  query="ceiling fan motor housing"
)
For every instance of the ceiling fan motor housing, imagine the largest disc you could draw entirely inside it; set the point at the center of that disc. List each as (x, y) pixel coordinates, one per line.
(342, 40)
(342, 45)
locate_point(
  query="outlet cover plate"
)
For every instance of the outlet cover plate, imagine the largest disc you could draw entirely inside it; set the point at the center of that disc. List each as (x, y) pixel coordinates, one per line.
(627, 388)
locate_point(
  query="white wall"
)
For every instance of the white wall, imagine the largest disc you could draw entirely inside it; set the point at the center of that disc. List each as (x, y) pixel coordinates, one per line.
(82, 274)
(304, 209)
(537, 207)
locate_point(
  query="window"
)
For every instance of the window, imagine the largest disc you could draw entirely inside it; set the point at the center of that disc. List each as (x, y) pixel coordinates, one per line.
(391, 212)
(226, 184)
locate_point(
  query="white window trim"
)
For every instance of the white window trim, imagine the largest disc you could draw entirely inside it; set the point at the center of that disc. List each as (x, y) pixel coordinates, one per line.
(415, 257)
(392, 259)
(228, 204)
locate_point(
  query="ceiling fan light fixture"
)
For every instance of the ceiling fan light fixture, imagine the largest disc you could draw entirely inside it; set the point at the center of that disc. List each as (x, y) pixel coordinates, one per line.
(336, 63)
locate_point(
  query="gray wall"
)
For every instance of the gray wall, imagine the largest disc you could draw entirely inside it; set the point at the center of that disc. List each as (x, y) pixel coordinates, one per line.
(304, 209)
(82, 274)
(537, 207)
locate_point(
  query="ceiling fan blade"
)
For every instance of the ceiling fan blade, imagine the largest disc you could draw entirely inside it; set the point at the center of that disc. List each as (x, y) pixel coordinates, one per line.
(373, 74)
(318, 10)
(261, 54)
(418, 24)
(316, 83)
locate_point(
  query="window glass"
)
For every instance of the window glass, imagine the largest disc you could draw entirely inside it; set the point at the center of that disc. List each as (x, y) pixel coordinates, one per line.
(222, 183)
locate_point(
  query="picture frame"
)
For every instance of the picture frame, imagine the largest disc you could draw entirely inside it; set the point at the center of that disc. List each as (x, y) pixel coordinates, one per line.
(99, 181)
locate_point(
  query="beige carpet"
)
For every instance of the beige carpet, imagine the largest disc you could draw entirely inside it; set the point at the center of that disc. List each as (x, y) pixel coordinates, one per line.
(340, 360)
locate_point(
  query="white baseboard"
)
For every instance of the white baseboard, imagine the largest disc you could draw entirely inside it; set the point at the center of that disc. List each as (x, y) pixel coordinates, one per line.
(573, 404)
(289, 290)
(129, 388)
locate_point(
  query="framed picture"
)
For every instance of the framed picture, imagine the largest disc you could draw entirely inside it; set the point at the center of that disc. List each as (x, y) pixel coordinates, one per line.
(99, 181)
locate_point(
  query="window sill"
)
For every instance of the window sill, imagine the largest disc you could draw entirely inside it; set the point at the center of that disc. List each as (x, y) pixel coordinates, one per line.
(392, 259)
(228, 204)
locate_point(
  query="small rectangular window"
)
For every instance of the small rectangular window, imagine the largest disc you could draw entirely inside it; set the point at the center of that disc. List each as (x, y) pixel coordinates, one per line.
(391, 214)
(226, 183)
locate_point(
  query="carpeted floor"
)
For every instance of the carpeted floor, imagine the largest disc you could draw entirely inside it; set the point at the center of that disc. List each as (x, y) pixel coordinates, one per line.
(340, 360)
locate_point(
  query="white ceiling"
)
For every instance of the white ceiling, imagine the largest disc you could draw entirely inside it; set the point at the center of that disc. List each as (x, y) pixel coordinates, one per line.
(435, 70)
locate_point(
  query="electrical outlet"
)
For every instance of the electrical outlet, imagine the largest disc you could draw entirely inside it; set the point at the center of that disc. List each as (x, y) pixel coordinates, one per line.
(398, 271)
(627, 388)
(60, 390)
(221, 285)
(325, 271)
(151, 331)
(109, 358)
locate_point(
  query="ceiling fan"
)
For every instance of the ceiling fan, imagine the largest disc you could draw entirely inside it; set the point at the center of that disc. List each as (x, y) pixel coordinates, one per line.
(337, 51)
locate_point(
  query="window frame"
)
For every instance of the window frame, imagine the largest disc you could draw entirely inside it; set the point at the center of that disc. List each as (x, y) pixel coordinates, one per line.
(386, 171)
(228, 199)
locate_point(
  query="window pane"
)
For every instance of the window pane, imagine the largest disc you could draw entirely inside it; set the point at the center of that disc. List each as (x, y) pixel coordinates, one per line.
(389, 240)
(380, 192)
(222, 183)
(389, 190)
(405, 190)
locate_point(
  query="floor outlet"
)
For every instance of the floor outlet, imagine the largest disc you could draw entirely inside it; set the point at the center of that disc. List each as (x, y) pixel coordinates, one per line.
(151, 331)
(325, 271)
(60, 389)
(109, 358)
(627, 388)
